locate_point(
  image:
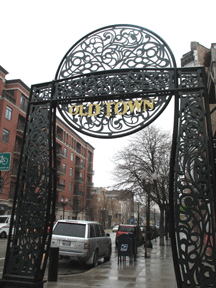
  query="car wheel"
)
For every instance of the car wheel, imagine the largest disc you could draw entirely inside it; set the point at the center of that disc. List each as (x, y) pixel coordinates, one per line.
(107, 258)
(95, 259)
(3, 235)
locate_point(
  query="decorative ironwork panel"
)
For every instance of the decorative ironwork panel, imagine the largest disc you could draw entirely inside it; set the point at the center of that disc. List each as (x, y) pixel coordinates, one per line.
(120, 48)
(190, 78)
(115, 83)
(116, 47)
(33, 203)
(114, 114)
(193, 192)
(42, 92)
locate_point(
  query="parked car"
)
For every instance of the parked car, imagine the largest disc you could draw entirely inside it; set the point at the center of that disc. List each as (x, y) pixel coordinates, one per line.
(4, 225)
(154, 232)
(83, 241)
(115, 228)
(133, 229)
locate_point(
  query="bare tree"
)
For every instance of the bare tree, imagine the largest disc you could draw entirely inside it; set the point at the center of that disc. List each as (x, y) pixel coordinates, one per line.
(79, 200)
(143, 167)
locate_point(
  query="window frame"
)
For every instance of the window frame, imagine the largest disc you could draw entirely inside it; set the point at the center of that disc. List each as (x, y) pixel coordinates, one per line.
(5, 137)
(8, 113)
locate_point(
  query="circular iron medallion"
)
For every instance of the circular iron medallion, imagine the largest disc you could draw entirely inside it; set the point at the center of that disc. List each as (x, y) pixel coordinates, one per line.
(115, 81)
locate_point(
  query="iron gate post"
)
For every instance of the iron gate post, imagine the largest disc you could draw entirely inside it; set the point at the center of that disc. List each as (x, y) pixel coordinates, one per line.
(192, 184)
(34, 199)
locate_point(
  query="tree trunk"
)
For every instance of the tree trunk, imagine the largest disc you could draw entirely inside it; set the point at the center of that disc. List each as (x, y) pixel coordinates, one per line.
(161, 226)
(167, 222)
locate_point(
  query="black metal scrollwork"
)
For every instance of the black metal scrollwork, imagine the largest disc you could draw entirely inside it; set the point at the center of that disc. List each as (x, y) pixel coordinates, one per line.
(118, 115)
(42, 92)
(193, 195)
(116, 47)
(33, 204)
(123, 50)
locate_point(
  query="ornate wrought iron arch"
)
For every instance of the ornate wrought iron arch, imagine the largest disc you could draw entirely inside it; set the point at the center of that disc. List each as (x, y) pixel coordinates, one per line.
(128, 74)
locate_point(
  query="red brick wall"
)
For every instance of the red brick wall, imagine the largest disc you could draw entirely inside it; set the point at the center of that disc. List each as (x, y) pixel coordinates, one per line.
(11, 126)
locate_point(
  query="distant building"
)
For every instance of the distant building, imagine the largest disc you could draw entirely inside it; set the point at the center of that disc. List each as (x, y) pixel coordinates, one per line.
(126, 200)
(74, 155)
(111, 207)
(198, 56)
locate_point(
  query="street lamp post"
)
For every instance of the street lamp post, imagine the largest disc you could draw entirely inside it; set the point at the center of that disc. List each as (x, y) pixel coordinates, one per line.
(103, 220)
(64, 203)
(148, 182)
(148, 233)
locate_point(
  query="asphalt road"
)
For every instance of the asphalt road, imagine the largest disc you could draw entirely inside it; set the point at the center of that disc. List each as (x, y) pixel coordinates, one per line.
(64, 267)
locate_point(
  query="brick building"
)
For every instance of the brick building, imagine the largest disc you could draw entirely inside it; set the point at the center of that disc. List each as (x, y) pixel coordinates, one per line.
(111, 207)
(197, 56)
(74, 155)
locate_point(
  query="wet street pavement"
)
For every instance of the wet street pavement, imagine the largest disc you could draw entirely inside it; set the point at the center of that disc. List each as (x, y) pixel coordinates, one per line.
(156, 271)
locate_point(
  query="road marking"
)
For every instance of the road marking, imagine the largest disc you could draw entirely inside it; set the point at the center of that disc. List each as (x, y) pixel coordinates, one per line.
(2, 258)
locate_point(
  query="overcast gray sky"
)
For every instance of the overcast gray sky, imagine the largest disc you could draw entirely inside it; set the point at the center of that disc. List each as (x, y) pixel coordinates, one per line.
(35, 35)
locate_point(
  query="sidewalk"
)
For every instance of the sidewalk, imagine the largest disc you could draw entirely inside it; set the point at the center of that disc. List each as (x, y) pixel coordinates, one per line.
(156, 271)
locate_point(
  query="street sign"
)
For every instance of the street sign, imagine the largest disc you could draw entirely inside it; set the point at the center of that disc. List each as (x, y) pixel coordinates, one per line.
(5, 159)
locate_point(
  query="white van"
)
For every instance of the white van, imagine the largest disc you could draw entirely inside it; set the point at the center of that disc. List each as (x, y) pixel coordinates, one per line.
(4, 225)
(83, 241)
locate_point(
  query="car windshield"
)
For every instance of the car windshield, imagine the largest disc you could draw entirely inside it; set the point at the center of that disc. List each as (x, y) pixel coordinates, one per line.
(3, 219)
(126, 229)
(70, 229)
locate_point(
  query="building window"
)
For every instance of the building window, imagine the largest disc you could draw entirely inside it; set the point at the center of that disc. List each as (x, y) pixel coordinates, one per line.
(70, 186)
(8, 113)
(5, 136)
(71, 171)
(65, 152)
(69, 201)
(64, 168)
(72, 156)
(23, 103)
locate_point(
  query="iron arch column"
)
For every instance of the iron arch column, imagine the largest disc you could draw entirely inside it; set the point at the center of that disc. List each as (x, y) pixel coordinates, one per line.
(192, 184)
